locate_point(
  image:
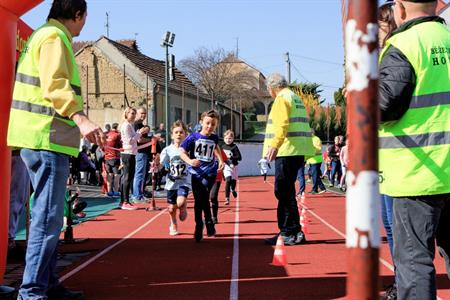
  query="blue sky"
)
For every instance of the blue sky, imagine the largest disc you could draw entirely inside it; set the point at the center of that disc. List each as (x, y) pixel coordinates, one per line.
(311, 30)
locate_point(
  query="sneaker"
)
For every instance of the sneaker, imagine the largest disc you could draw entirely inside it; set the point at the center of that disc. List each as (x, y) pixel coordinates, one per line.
(312, 192)
(210, 229)
(173, 229)
(81, 214)
(289, 240)
(234, 193)
(214, 220)
(198, 233)
(331, 185)
(116, 194)
(128, 206)
(391, 293)
(61, 293)
(322, 191)
(183, 212)
(300, 238)
(110, 194)
(139, 199)
(227, 201)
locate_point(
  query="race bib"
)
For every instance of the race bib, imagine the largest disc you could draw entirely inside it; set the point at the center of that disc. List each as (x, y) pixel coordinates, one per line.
(178, 169)
(204, 150)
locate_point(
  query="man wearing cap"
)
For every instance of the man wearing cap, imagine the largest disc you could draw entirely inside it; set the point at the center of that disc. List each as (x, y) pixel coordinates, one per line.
(414, 142)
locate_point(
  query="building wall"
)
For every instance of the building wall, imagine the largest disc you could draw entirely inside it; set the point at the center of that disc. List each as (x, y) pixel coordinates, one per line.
(106, 87)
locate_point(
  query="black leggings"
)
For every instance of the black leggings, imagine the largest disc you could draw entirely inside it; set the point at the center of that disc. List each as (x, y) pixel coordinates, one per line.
(229, 185)
(128, 161)
(201, 198)
(215, 198)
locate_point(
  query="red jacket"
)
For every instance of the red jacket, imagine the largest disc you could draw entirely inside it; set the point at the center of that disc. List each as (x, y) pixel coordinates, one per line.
(112, 140)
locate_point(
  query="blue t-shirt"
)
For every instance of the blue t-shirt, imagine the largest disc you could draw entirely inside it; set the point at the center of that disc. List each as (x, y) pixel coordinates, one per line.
(201, 147)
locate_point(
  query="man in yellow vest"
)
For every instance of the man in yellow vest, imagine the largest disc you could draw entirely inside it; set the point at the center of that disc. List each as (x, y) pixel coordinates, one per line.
(287, 141)
(46, 120)
(414, 142)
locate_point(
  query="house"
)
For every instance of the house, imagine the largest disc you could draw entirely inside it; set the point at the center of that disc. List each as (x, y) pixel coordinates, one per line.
(116, 74)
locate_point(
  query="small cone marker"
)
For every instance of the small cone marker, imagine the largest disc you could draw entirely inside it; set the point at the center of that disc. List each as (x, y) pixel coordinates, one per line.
(279, 256)
(304, 221)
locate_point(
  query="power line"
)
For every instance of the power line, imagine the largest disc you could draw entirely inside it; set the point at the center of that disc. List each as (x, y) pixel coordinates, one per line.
(318, 60)
(307, 81)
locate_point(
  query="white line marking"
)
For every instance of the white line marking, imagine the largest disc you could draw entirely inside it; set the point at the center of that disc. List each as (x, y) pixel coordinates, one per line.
(106, 250)
(234, 286)
(384, 262)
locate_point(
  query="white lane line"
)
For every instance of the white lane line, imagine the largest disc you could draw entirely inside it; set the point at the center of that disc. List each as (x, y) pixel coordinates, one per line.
(234, 285)
(384, 262)
(106, 250)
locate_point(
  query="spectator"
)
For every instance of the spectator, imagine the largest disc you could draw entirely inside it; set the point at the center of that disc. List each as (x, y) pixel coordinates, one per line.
(112, 160)
(414, 147)
(334, 152)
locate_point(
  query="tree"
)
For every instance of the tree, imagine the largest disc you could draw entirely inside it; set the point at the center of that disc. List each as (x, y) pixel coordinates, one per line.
(215, 72)
(339, 98)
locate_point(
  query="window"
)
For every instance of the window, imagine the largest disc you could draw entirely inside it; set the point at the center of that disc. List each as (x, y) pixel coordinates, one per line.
(188, 116)
(178, 113)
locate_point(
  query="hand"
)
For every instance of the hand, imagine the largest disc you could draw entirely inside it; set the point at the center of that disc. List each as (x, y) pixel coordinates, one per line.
(144, 130)
(220, 166)
(194, 162)
(89, 129)
(271, 153)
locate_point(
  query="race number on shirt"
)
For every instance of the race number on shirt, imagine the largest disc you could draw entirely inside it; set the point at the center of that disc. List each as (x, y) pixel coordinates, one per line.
(178, 169)
(204, 150)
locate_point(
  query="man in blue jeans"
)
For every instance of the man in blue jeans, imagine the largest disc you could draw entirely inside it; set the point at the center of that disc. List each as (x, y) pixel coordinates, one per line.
(46, 120)
(142, 158)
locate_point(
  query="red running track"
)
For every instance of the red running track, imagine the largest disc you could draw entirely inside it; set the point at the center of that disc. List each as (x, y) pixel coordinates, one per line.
(133, 256)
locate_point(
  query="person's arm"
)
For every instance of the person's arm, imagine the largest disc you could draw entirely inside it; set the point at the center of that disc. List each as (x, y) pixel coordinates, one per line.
(186, 159)
(237, 154)
(280, 119)
(164, 158)
(218, 154)
(396, 85)
(55, 72)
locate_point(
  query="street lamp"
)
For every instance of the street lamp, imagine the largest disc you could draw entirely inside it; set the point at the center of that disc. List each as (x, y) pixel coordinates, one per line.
(167, 41)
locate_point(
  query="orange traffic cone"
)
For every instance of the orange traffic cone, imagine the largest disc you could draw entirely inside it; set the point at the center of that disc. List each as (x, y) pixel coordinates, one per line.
(279, 256)
(304, 221)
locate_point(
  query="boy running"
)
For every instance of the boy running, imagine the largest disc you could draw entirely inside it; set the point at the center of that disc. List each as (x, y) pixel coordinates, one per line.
(178, 182)
(200, 151)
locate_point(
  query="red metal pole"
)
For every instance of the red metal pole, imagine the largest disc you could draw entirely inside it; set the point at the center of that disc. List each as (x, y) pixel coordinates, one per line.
(10, 11)
(363, 199)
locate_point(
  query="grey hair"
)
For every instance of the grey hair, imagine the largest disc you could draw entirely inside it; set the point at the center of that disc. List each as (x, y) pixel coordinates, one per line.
(276, 80)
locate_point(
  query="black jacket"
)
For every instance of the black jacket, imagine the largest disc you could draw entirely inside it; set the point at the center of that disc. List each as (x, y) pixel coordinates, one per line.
(397, 77)
(232, 152)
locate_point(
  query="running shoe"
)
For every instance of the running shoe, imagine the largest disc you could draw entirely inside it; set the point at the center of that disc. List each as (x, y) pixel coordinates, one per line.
(227, 201)
(173, 230)
(300, 238)
(116, 194)
(234, 194)
(110, 194)
(128, 206)
(322, 191)
(183, 212)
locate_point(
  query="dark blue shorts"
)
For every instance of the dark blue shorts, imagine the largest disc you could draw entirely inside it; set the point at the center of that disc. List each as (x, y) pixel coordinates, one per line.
(172, 195)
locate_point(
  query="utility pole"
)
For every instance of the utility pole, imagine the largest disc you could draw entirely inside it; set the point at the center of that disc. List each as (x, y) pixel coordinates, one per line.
(167, 42)
(363, 199)
(288, 62)
(237, 47)
(107, 25)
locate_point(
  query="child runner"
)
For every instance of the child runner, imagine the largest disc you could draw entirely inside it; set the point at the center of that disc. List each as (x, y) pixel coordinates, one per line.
(200, 151)
(230, 172)
(264, 165)
(178, 182)
(215, 190)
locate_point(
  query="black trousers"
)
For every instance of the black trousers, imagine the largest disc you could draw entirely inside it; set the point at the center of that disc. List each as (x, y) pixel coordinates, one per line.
(230, 185)
(129, 162)
(286, 169)
(201, 189)
(418, 223)
(215, 198)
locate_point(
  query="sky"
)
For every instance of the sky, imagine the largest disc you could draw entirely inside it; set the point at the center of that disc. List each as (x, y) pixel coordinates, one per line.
(264, 30)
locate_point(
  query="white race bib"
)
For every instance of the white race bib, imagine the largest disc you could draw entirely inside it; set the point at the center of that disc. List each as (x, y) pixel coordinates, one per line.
(178, 169)
(204, 150)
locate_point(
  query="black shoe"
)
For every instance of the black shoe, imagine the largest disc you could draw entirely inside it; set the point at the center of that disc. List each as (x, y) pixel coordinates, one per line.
(210, 229)
(313, 193)
(391, 293)
(214, 220)
(61, 293)
(272, 240)
(234, 194)
(198, 233)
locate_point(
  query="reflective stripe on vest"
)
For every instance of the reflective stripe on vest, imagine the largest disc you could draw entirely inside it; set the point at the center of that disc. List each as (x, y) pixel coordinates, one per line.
(298, 136)
(415, 150)
(34, 123)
